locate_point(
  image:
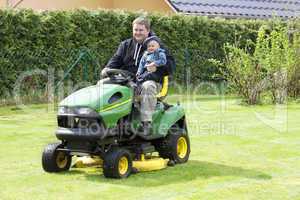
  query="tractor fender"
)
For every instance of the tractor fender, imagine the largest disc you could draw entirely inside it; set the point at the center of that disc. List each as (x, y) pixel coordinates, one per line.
(167, 120)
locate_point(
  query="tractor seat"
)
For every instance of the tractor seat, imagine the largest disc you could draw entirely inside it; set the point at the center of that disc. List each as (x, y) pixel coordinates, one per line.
(164, 89)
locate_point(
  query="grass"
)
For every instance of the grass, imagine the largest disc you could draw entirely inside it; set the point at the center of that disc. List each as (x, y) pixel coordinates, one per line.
(238, 152)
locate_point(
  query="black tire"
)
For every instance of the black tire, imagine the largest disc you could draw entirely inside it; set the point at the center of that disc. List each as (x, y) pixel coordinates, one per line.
(55, 161)
(115, 166)
(176, 146)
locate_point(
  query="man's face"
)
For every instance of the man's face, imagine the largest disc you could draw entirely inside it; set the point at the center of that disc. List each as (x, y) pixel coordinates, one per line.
(139, 32)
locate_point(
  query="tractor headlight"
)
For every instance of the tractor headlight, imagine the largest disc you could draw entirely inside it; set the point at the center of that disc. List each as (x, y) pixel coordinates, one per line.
(63, 110)
(77, 111)
(84, 111)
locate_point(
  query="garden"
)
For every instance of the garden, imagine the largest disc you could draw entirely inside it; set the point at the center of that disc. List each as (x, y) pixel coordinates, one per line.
(238, 81)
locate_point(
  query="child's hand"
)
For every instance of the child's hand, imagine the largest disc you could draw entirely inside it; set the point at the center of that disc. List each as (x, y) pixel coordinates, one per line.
(151, 67)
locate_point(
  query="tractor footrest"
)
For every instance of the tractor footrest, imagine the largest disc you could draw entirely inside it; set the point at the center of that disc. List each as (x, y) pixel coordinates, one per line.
(145, 148)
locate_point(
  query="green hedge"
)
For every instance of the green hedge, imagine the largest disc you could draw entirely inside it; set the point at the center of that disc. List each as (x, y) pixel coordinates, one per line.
(42, 40)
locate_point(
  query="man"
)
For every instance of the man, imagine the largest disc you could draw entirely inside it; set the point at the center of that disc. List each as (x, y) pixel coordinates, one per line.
(128, 57)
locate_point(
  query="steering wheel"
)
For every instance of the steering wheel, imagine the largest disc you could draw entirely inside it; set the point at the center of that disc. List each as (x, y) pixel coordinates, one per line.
(119, 76)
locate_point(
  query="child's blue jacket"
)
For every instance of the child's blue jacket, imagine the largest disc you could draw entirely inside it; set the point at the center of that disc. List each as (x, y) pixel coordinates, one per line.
(158, 57)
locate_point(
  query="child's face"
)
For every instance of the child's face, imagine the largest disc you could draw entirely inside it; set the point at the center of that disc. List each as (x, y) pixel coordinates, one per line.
(152, 46)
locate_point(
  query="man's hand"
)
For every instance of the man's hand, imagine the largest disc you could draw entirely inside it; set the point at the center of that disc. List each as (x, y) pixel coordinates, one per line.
(151, 67)
(103, 72)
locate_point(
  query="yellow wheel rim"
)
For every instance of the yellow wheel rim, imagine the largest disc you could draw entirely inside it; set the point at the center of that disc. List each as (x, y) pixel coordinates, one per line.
(123, 165)
(61, 160)
(182, 147)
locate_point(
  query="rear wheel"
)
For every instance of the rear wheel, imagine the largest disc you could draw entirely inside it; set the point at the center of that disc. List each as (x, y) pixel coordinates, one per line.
(54, 160)
(117, 163)
(176, 146)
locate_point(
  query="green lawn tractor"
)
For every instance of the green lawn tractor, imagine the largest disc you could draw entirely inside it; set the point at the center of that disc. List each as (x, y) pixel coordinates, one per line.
(102, 122)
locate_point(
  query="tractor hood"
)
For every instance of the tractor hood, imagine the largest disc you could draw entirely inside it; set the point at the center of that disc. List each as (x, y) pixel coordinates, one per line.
(98, 97)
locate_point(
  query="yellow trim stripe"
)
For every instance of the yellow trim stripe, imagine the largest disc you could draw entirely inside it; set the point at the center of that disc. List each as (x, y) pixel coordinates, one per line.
(116, 105)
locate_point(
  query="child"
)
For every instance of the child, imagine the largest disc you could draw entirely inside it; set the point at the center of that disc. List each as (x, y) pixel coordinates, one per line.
(153, 55)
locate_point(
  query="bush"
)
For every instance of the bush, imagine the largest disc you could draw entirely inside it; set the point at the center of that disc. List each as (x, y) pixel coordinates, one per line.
(277, 55)
(52, 41)
(294, 70)
(271, 67)
(245, 73)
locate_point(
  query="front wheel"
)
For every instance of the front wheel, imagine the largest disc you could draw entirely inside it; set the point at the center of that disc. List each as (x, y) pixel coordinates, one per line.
(117, 163)
(54, 160)
(176, 146)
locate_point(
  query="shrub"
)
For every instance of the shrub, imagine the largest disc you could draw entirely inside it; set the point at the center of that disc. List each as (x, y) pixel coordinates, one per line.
(32, 40)
(245, 73)
(271, 67)
(294, 70)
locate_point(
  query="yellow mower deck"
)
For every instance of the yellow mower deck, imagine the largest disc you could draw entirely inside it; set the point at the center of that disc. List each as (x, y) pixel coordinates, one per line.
(143, 165)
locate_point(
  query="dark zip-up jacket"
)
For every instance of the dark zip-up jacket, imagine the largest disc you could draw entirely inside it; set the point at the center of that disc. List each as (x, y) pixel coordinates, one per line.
(129, 54)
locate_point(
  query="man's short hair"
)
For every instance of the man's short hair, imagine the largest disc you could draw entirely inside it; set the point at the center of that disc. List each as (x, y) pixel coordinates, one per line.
(142, 21)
